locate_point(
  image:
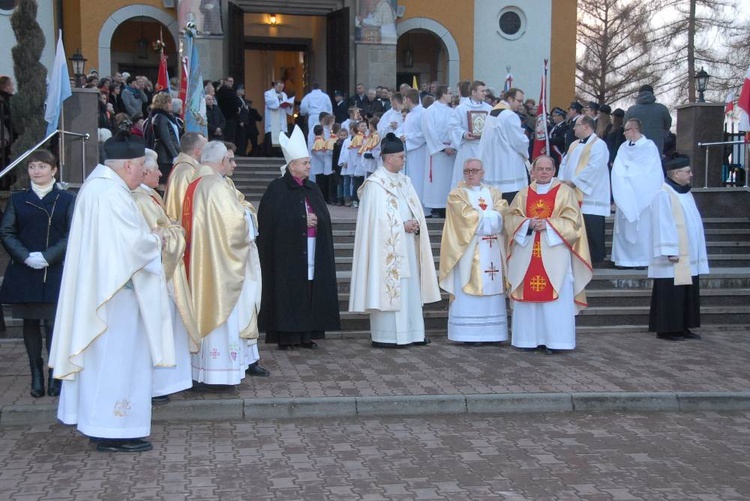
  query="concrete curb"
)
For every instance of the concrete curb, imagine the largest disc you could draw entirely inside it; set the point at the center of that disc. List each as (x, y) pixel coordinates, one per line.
(413, 405)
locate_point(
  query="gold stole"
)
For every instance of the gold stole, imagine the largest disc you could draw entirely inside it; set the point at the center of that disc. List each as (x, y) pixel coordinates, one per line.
(682, 275)
(583, 160)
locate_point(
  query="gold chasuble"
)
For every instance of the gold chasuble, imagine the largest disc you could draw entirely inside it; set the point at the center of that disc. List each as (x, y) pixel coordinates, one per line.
(536, 272)
(152, 207)
(180, 177)
(461, 223)
(217, 252)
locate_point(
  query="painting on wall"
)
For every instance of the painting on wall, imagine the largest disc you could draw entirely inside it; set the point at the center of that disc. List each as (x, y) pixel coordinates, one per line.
(376, 21)
(206, 14)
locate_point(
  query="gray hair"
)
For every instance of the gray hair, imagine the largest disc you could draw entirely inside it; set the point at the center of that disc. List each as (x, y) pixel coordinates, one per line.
(213, 153)
(151, 160)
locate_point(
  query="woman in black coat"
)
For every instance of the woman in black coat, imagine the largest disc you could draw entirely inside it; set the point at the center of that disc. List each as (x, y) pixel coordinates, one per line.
(295, 309)
(34, 231)
(163, 135)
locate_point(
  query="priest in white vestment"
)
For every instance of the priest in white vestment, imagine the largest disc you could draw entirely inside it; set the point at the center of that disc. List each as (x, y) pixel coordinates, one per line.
(312, 105)
(637, 177)
(278, 107)
(504, 147)
(224, 281)
(472, 260)
(414, 141)
(393, 271)
(548, 262)
(465, 135)
(679, 256)
(438, 173)
(168, 380)
(113, 324)
(585, 169)
(393, 120)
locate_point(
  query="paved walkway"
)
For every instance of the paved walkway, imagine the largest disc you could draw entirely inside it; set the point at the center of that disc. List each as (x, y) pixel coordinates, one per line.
(347, 377)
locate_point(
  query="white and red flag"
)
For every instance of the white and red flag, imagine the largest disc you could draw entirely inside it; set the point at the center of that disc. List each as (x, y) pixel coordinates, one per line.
(508, 80)
(744, 103)
(541, 138)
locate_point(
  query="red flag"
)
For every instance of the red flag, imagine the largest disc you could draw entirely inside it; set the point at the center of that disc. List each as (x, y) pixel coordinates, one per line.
(162, 82)
(541, 140)
(184, 84)
(744, 100)
(729, 104)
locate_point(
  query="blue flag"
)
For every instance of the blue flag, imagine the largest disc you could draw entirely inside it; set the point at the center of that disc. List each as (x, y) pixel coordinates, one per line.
(58, 89)
(195, 112)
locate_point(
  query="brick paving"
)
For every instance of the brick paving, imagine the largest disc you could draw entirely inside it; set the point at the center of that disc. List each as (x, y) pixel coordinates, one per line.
(626, 362)
(700, 456)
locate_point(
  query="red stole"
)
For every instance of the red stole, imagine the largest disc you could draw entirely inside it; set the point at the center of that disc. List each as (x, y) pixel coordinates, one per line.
(187, 221)
(536, 284)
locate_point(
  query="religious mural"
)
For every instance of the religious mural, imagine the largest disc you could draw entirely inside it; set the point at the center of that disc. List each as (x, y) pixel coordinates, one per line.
(376, 21)
(205, 14)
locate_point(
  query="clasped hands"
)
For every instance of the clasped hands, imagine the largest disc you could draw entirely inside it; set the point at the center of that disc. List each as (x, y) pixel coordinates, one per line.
(36, 261)
(411, 226)
(312, 220)
(537, 224)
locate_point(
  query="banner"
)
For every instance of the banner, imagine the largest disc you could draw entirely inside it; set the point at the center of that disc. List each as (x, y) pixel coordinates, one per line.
(58, 89)
(541, 138)
(195, 116)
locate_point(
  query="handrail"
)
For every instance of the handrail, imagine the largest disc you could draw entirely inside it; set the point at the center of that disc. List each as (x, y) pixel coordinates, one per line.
(705, 145)
(28, 152)
(720, 143)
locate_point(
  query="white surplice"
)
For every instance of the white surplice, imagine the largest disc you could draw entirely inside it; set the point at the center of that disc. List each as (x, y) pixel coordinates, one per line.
(466, 148)
(275, 115)
(480, 318)
(504, 150)
(416, 149)
(438, 173)
(593, 178)
(636, 179)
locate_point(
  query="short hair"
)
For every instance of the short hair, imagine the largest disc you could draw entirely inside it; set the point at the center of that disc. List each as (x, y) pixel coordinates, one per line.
(43, 156)
(5, 80)
(398, 97)
(373, 122)
(335, 128)
(316, 85)
(469, 160)
(213, 153)
(475, 85)
(536, 160)
(151, 162)
(131, 79)
(412, 95)
(588, 121)
(230, 146)
(512, 92)
(637, 122)
(352, 110)
(441, 91)
(428, 100)
(318, 130)
(190, 141)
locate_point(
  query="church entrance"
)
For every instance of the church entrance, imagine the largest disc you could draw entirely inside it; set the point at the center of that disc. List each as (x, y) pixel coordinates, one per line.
(422, 54)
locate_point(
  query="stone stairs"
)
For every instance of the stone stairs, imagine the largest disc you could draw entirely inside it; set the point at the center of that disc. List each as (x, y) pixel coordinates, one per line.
(618, 299)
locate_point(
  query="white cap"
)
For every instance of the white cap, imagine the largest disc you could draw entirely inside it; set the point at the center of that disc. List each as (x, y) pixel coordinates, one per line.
(293, 147)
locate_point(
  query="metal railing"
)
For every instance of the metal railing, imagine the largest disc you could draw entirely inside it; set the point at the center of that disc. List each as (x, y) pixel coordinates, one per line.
(723, 144)
(84, 137)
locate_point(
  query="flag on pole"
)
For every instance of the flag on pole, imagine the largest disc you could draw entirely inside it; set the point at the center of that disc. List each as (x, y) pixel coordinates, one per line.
(744, 103)
(541, 138)
(184, 83)
(414, 84)
(162, 82)
(729, 105)
(508, 80)
(195, 116)
(58, 89)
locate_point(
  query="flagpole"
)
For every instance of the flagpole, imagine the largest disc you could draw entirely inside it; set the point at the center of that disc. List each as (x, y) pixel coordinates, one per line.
(544, 109)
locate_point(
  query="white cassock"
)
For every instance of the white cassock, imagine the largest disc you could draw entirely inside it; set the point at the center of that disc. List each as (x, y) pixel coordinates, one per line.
(393, 272)
(312, 105)
(438, 173)
(586, 166)
(636, 179)
(479, 318)
(504, 150)
(459, 125)
(275, 115)
(416, 149)
(113, 323)
(391, 121)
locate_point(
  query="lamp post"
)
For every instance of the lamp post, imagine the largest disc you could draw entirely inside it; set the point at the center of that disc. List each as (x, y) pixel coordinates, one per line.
(701, 82)
(79, 63)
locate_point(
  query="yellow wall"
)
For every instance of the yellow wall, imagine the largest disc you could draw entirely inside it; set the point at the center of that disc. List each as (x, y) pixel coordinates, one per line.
(461, 26)
(83, 24)
(563, 53)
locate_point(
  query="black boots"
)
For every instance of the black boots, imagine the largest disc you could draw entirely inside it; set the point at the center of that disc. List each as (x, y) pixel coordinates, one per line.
(37, 378)
(53, 386)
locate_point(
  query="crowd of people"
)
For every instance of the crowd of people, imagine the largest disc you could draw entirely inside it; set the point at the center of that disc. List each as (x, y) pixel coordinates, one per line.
(161, 294)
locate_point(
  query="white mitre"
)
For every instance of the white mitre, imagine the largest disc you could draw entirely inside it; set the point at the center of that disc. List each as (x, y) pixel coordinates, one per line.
(293, 147)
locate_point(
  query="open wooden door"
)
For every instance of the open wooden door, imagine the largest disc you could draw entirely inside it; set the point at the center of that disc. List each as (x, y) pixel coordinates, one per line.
(236, 42)
(337, 52)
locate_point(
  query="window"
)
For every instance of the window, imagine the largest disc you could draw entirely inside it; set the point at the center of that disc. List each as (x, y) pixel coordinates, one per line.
(7, 6)
(512, 23)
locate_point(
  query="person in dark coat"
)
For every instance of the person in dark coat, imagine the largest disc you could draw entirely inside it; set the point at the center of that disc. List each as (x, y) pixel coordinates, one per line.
(557, 132)
(34, 232)
(252, 128)
(162, 135)
(654, 117)
(299, 300)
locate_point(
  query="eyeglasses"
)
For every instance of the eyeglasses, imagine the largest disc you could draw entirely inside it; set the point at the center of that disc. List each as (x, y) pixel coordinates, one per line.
(629, 128)
(472, 171)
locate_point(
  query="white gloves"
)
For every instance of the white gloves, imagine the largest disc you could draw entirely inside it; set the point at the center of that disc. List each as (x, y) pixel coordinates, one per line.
(36, 261)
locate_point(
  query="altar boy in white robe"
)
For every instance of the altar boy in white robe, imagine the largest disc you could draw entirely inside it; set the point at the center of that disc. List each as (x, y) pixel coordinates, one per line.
(464, 136)
(679, 256)
(472, 258)
(113, 323)
(548, 262)
(438, 173)
(636, 179)
(413, 137)
(393, 272)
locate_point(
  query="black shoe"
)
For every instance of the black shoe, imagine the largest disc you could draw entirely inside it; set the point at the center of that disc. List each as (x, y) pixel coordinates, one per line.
(550, 351)
(37, 378)
(528, 350)
(688, 334)
(162, 400)
(135, 445)
(54, 386)
(422, 343)
(309, 345)
(257, 370)
(472, 343)
(286, 347)
(213, 388)
(669, 336)
(377, 344)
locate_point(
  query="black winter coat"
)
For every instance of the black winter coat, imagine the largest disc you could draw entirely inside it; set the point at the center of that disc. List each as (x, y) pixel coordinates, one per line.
(289, 302)
(33, 225)
(165, 141)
